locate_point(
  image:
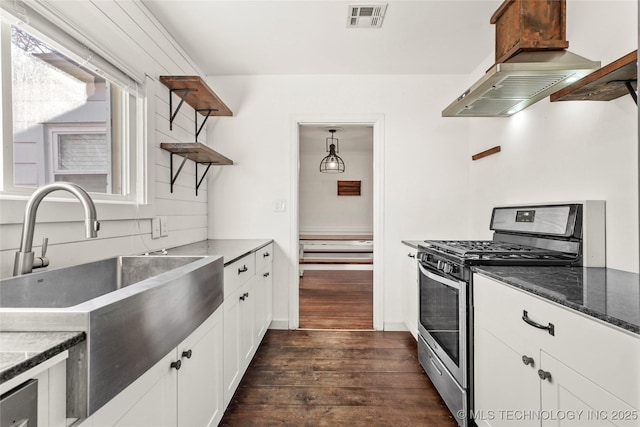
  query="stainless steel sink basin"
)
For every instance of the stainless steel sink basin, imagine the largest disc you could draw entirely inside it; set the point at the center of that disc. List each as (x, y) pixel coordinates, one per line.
(134, 310)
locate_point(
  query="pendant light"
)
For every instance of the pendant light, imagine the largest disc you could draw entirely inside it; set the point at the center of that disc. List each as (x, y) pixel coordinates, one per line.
(332, 163)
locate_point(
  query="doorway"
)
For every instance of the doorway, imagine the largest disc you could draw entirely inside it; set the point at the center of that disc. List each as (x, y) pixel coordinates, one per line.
(336, 222)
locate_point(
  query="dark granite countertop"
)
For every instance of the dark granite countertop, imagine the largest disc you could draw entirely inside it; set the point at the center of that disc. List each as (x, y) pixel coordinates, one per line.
(21, 351)
(612, 296)
(230, 249)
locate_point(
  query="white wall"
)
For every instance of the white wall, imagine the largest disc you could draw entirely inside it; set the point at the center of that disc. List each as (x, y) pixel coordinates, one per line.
(432, 189)
(425, 188)
(321, 209)
(129, 35)
(572, 150)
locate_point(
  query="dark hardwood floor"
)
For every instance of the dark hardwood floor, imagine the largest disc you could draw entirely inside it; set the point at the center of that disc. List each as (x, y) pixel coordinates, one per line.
(336, 378)
(336, 299)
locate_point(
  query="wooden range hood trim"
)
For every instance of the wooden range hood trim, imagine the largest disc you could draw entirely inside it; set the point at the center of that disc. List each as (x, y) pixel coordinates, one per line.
(523, 25)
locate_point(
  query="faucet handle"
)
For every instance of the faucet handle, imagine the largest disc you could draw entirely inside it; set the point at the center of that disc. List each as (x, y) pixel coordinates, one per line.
(45, 244)
(42, 261)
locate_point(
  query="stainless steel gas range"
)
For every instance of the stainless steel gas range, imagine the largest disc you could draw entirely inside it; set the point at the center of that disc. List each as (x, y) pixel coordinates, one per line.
(570, 234)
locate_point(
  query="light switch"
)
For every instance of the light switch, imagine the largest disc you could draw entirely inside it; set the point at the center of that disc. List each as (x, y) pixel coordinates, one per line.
(280, 205)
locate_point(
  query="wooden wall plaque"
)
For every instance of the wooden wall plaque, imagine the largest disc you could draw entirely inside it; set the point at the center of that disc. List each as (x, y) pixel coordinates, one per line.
(349, 188)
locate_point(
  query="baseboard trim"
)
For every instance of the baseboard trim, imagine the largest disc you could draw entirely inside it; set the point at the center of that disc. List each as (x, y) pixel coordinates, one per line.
(395, 326)
(279, 324)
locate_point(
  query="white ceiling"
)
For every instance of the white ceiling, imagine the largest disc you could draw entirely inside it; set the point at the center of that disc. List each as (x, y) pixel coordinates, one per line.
(243, 37)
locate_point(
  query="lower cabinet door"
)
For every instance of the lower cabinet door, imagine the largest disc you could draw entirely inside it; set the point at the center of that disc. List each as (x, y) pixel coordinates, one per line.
(572, 399)
(232, 350)
(506, 389)
(149, 402)
(248, 322)
(200, 389)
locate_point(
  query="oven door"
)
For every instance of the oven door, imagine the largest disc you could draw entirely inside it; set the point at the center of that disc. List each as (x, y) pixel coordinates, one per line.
(443, 320)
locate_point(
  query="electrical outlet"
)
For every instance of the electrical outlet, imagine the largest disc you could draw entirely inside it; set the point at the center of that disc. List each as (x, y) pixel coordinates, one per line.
(155, 228)
(164, 226)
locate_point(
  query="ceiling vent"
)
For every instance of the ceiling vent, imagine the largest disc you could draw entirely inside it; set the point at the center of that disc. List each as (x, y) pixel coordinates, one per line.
(369, 15)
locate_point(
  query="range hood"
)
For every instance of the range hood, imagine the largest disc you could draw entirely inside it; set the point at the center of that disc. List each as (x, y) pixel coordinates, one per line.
(519, 82)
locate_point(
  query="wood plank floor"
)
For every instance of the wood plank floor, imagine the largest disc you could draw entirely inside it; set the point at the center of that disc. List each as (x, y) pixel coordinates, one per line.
(336, 378)
(336, 299)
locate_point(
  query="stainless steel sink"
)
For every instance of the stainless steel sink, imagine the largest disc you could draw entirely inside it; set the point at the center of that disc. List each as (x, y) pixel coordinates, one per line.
(134, 310)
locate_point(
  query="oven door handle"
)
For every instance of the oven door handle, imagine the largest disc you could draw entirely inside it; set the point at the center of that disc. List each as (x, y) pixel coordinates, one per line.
(448, 282)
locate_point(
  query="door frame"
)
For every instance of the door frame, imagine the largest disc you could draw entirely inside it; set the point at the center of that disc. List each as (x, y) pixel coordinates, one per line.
(377, 121)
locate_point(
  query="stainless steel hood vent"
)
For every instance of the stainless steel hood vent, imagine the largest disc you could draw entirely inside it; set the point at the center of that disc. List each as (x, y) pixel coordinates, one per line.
(523, 80)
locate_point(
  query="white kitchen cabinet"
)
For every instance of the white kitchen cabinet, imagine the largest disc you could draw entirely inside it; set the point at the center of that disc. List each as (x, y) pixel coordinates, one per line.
(52, 381)
(264, 298)
(200, 381)
(410, 292)
(247, 315)
(165, 396)
(586, 402)
(571, 376)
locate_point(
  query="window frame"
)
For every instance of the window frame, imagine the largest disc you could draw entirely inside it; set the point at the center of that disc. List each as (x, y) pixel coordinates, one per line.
(137, 117)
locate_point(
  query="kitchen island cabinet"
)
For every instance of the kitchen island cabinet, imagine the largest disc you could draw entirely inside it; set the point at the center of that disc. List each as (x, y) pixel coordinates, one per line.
(536, 362)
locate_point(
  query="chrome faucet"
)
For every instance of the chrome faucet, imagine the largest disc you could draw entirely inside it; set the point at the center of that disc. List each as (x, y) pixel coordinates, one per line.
(24, 262)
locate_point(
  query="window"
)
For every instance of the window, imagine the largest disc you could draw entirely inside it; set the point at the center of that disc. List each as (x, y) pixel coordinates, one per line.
(68, 120)
(81, 155)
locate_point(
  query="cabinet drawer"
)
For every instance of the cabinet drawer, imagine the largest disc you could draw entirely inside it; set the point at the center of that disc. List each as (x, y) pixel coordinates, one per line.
(602, 353)
(238, 272)
(264, 256)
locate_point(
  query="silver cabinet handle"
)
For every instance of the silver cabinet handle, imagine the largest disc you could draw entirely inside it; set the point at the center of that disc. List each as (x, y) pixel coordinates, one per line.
(243, 269)
(266, 254)
(410, 255)
(550, 328)
(266, 274)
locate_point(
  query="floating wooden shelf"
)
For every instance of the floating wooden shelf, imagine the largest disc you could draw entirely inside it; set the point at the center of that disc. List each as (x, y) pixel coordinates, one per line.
(196, 93)
(197, 152)
(609, 82)
(200, 97)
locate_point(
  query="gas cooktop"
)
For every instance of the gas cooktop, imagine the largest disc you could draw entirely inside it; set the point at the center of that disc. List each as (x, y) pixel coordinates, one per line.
(491, 250)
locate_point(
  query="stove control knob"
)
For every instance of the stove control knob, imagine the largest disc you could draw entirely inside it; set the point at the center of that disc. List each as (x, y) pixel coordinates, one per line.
(447, 268)
(440, 265)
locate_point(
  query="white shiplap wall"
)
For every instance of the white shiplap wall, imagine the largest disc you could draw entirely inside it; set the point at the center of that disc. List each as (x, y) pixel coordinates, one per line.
(128, 35)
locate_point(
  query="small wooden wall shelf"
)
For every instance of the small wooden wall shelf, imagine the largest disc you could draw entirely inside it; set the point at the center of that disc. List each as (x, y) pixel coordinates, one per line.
(197, 152)
(486, 153)
(196, 93)
(609, 82)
